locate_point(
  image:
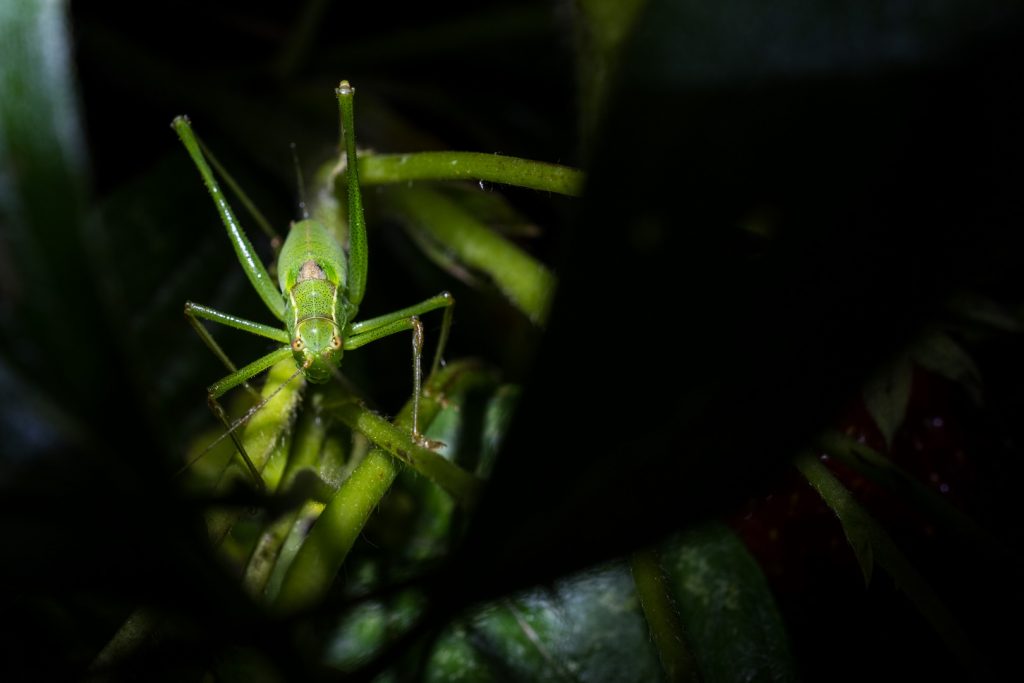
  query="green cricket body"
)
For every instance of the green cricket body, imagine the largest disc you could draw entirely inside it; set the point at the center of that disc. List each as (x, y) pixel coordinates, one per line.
(320, 289)
(312, 274)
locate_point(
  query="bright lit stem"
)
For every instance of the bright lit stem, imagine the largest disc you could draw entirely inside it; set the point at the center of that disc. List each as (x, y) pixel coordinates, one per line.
(381, 169)
(305, 453)
(527, 283)
(460, 484)
(342, 521)
(266, 431)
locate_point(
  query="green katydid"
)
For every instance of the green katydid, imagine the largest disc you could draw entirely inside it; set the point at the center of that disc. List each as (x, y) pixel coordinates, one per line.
(321, 288)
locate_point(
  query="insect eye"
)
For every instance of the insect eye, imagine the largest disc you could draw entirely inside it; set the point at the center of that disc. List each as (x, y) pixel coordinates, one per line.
(298, 345)
(336, 342)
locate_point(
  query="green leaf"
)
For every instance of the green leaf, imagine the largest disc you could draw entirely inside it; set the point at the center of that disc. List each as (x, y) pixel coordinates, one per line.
(587, 627)
(470, 428)
(45, 287)
(937, 352)
(870, 542)
(591, 626)
(987, 312)
(855, 522)
(924, 498)
(527, 283)
(727, 609)
(887, 394)
(602, 27)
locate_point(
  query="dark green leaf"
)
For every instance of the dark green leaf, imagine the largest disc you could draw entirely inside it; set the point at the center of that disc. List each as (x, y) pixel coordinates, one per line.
(937, 352)
(887, 394)
(52, 324)
(588, 627)
(870, 543)
(988, 312)
(728, 612)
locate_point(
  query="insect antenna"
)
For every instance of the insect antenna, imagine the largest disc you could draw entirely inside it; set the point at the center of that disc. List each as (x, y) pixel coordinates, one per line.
(299, 181)
(236, 424)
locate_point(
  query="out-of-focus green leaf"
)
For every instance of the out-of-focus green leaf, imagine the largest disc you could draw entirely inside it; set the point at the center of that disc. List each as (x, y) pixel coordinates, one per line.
(591, 627)
(870, 543)
(588, 627)
(854, 520)
(52, 326)
(602, 26)
(886, 395)
(527, 283)
(937, 352)
(987, 312)
(492, 208)
(728, 612)
(926, 499)
(369, 625)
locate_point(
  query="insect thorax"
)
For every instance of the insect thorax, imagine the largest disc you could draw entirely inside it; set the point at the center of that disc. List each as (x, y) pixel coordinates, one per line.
(312, 273)
(316, 324)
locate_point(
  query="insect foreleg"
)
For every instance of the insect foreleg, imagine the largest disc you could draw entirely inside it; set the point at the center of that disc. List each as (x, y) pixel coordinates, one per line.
(221, 387)
(443, 300)
(247, 257)
(193, 313)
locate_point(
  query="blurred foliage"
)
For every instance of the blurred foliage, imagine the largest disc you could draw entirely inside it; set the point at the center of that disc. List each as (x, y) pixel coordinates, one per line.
(786, 208)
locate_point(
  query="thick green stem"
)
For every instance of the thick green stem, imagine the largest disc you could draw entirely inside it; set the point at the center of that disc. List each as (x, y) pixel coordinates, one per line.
(332, 537)
(336, 530)
(384, 169)
(396, 440)
(266, 435)
(527, 283)
(308, 440)
(662, 616)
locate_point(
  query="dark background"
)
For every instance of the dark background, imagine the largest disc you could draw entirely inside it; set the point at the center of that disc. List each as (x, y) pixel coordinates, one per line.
(686, 360)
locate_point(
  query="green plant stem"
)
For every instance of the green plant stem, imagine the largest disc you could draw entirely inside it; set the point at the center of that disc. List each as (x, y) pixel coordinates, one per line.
(395, 439)
(662, 616)
(336, 530)
(266, 439)
(339, 525)
(382, 169)
(309, 438)
(527, 283)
